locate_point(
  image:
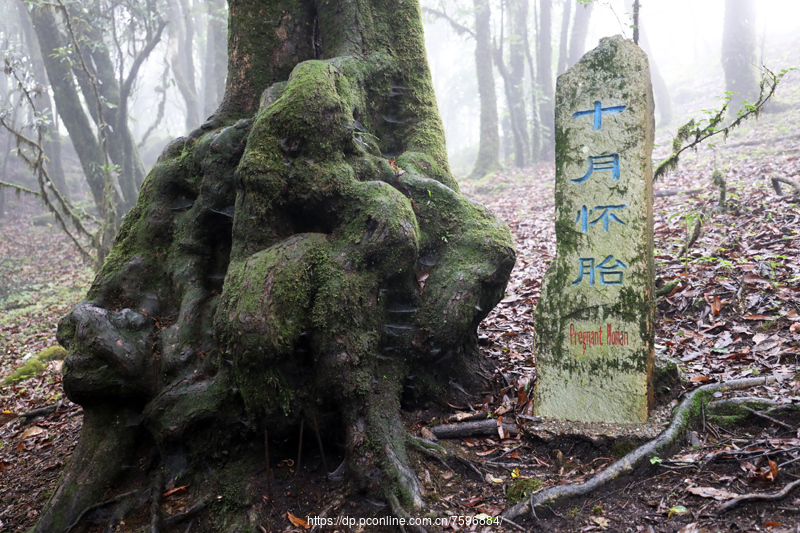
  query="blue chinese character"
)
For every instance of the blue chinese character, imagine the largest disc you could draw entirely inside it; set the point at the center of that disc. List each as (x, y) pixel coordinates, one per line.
(586, 266)
(601, 162)
(611, 270)
(606, 270)
(605, 216)
(598, 113)
(583, 216)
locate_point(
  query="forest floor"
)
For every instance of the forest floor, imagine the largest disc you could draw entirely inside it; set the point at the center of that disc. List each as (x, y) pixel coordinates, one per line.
(734, 313)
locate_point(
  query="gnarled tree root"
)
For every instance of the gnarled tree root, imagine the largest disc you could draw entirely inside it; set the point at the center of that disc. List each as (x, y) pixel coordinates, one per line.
(682, 417)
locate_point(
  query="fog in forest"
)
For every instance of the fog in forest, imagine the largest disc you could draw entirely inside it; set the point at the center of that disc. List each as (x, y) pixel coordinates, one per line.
(163, 65)
(683, 40)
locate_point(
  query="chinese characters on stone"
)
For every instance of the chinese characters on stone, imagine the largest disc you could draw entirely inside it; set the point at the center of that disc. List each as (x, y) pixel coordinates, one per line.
(609, 271)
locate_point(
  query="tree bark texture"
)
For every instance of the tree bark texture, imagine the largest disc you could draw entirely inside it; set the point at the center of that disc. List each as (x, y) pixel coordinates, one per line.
(304, 254)
(488, 158)
(739, 51)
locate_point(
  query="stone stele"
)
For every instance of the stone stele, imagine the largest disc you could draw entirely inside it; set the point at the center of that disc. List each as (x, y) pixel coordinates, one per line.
(594, 321)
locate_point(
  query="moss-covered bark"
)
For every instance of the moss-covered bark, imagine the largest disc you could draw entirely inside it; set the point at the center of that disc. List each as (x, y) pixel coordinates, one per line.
(305, 254)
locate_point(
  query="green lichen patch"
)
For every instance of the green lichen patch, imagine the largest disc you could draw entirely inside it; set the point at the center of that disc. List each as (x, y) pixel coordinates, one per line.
(35, 365)
(521, 488)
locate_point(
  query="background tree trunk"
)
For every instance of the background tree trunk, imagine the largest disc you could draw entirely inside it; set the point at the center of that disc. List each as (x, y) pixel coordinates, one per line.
(68, 102)
(513, 75)
(739, 51)
(544, 77)
(304, 254)
(563, 48)
(52, 145)
(182, 35)
(580, 27)
(488, 158)
(215, 57)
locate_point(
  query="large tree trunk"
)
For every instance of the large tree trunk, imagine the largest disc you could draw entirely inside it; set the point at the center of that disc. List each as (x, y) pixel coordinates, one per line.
(301, 256)
(488, 158)
(739, 51)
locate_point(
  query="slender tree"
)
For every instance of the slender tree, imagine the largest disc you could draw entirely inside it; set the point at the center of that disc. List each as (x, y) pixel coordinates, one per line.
(544, 78)
(303, 255)
(488, 158)
(513, 78)
(216, 58)
(53, 143)
(563, 47)
(580, 27)
(739, 50)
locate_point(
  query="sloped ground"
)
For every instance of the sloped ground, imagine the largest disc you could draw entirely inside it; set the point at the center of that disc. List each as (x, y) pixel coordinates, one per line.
(735, 312)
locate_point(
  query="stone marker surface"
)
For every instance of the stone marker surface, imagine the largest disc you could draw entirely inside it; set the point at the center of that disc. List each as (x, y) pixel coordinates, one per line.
(594, 321)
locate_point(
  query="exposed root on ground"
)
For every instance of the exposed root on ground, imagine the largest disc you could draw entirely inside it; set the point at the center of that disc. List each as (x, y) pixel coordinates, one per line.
(473, 429)
(758, 496)
(683, 417)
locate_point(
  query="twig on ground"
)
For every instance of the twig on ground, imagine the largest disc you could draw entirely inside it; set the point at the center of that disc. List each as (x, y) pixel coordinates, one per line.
(442, 454)
(636, 457)
(758, 496)
(770, 418)
(472, 429)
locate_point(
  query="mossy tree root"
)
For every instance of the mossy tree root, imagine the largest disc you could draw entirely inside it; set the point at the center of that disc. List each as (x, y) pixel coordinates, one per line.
(685, 414)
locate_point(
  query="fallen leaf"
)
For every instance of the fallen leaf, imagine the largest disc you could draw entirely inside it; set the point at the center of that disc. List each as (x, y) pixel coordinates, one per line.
(772, 475)
(677, 509)
(711, 492)
(715, 303)
(758, 317)
(600, 521)
(297, 522)
(31, 432)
